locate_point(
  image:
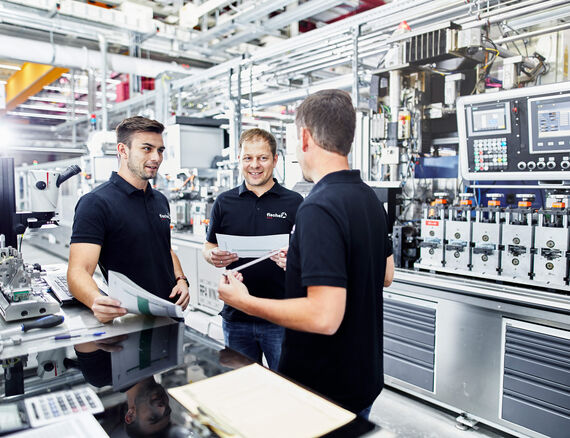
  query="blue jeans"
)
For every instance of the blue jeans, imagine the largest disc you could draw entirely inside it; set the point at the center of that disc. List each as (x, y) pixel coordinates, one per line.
(252, 339)
(365, 413)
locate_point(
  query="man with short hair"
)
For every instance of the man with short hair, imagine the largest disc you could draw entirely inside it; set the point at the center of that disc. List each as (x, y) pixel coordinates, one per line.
(259, 206)
(124, 225)
(339, 259)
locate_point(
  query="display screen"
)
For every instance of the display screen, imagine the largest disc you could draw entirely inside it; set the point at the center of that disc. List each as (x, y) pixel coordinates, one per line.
(549, 124)
(553, 119)
(489, 119)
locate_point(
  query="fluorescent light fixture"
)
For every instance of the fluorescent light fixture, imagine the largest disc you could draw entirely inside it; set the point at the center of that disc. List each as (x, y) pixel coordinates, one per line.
(10, 67)
(37, 115)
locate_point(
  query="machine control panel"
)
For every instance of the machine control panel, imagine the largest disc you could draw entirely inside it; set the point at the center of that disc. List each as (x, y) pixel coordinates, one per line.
(516, 134)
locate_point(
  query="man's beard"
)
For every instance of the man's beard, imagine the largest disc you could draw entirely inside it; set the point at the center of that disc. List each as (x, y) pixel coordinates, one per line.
(138, 172)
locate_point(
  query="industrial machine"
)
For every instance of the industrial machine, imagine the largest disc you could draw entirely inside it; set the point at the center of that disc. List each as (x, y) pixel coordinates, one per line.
(516, 134)
(551, 246)
(487, 237)
(433, 233)
(458, 235)
(23, 292)
(518, 239)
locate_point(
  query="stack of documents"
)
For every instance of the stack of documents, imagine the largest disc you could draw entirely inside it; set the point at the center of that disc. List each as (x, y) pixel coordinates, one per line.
(253, 402)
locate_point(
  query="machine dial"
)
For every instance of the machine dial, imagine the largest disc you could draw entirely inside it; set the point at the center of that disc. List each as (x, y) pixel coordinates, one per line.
(522, 165)
(551, 164)
(565, 164)
(531, 165)
(540, 165)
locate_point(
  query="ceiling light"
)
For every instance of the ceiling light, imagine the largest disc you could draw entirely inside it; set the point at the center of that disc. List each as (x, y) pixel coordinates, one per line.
(10, 67)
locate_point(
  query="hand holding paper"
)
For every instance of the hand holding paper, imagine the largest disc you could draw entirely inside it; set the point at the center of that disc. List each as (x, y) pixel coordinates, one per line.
(137, 300)
(251, 246)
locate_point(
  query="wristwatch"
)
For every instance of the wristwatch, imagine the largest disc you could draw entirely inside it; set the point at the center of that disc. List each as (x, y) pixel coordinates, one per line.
(182, 277)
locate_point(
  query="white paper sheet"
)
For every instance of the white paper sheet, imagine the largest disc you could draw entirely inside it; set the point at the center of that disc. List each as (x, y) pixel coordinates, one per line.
(137, 300)
(252, 246)
(73, 426)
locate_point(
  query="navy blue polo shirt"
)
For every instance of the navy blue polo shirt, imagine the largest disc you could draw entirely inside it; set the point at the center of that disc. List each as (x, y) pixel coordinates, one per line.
(340, 240)
(241, 212)
(132, 226)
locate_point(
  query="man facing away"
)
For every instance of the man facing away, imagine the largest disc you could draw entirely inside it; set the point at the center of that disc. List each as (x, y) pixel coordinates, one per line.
(339, 259)
(124, 225)
(259, 206)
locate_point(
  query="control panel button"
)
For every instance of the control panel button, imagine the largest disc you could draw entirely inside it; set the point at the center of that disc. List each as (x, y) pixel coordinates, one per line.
(522, 165)
(531, 165)
(551, 164)
(565, 164)
(541, 165)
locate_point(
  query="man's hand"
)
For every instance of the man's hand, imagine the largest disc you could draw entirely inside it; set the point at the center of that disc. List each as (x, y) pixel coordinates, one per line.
(111, 345)
(231, 290)
(221, 259)
(106, 309)
(181, 288)
(281, 258)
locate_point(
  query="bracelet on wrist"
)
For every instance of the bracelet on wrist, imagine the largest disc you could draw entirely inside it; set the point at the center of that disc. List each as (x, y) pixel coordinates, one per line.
(183, 277)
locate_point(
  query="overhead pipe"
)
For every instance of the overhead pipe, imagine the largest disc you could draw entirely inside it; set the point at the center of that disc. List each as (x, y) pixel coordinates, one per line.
(25, 50)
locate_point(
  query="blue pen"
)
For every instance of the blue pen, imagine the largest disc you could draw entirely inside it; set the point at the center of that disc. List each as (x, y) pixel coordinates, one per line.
(98, 333)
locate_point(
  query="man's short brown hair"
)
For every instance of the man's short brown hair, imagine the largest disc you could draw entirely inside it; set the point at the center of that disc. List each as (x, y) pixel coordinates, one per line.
(330, 118)
(258, 133)
(132, 125)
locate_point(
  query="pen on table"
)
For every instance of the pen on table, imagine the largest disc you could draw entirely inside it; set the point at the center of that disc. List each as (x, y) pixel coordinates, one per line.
(60, 337)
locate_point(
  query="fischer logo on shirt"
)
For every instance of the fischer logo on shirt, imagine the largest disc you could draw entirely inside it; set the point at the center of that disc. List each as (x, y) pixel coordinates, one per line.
(165, 216)
(282, 215)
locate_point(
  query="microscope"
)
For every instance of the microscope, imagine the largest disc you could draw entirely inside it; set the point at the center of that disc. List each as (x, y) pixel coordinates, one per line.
(23, 294)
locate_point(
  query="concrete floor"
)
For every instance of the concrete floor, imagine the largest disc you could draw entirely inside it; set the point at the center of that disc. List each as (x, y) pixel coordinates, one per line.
(401, 415)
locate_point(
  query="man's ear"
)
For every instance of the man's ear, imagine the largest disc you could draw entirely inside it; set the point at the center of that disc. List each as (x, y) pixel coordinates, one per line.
(130, 416)
(305, 137)
(122, 150)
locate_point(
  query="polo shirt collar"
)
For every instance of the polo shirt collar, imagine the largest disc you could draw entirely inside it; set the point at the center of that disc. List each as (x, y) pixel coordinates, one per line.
(126, 187)
(277, 189)
(341, 176)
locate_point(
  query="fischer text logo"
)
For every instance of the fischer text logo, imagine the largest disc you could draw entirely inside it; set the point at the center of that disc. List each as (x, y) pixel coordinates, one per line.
(282, 215)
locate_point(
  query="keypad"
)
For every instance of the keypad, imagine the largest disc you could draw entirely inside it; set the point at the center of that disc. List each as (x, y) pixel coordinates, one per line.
(45, 409)
(490, 154)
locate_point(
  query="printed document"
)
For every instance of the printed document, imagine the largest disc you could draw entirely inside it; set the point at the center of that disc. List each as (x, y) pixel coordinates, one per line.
(252, 246)
(254, 402)
(73, 426)
(137, 300)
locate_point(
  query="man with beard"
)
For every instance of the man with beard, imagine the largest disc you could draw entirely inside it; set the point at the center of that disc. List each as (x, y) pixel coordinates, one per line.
(124, 225)
(259, 206)
(339, 260)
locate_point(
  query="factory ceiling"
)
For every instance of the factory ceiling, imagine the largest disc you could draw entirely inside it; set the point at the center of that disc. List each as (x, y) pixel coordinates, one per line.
(50, 51)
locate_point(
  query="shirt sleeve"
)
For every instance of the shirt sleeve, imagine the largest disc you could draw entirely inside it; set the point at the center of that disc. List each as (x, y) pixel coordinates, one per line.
(90, 221)
(388, 246)
(323, 249)
(215, 221)
(387, 239)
